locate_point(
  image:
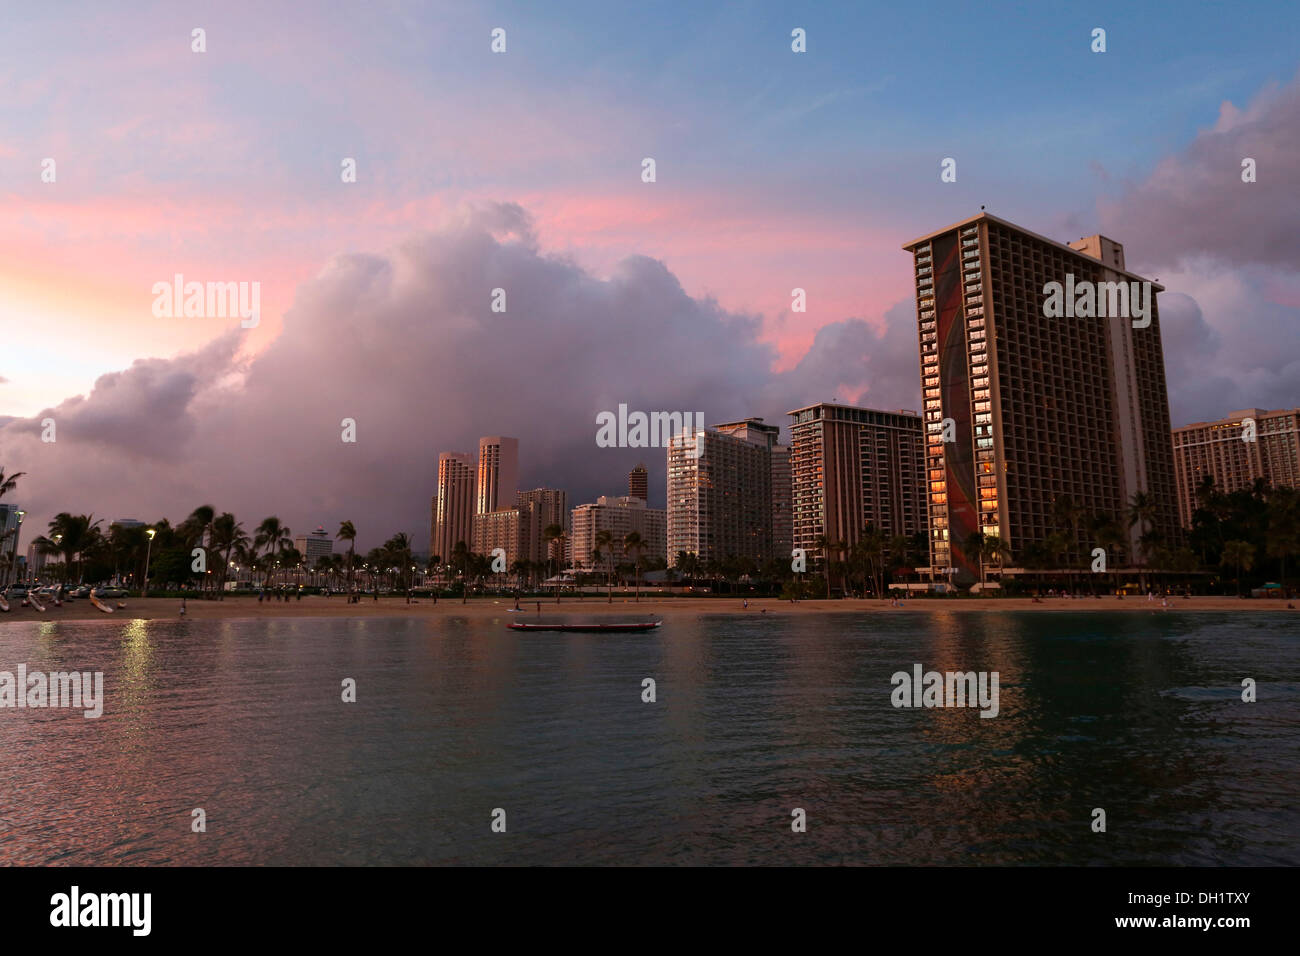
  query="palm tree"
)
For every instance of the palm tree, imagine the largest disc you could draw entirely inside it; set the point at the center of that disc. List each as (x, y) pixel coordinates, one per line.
(397, 553)
(1238, 554)
(274, 536)
(348, 533)
(688, 563)
(1109, 535)
(871, 548)
(460, 558)
(72, 536)
(8, 484)
(605, 543)
(634, 545)
(1282, 537)
(990, 548)
(825, 545)
(193, 530)
(1142, 511)
(1058, 546)
(227, 536)
(555, 539)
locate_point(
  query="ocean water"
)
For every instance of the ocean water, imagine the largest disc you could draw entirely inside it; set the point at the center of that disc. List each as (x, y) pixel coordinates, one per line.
(1138, 714)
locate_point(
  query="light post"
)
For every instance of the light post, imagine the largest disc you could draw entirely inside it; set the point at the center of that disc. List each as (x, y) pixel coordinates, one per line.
(144, 586)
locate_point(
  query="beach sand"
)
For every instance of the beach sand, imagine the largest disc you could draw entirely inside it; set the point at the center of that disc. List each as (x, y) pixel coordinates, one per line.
(316, 606)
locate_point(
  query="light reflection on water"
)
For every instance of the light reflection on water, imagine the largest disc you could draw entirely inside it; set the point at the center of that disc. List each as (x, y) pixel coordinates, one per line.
(1138, 714)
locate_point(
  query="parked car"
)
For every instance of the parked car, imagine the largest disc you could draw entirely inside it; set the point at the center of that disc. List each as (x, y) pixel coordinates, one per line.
(110, 593)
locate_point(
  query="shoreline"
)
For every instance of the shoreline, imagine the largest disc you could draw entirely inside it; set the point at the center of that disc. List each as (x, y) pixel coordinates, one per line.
(315, 606)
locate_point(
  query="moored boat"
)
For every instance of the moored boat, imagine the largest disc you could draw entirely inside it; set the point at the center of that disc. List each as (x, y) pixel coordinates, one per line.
(611, 627)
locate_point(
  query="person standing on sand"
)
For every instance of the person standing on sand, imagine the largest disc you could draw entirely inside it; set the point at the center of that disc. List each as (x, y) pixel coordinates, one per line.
(182, 605)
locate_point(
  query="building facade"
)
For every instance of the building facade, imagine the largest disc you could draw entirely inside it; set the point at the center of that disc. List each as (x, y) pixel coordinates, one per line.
(1249, 444)
(1027, 413)
(505, 528)
(540, 508)
(498, 473)
(850, 467)
(314, 546)
(11, 522)
(453, 505)
(728, 487)
(638, 483)
(619, 516)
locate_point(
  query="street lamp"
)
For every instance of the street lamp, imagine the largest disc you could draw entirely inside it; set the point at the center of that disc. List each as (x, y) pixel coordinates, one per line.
(144, 586)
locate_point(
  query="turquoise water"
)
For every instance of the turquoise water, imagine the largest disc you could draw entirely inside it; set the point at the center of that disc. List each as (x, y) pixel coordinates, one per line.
(1138, 714)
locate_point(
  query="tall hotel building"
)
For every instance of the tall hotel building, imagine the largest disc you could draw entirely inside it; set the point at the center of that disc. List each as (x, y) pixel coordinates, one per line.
(498, 473)
(729, 498)
(1219, 450)
(314, 546)
(1041, 408)
(453, 504)
(850, 467)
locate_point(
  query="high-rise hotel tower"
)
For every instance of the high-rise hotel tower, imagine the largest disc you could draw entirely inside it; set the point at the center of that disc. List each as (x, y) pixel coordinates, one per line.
(453, 505)
(498, 473)
(1234, 451)
(1036, 410)
(852, 467)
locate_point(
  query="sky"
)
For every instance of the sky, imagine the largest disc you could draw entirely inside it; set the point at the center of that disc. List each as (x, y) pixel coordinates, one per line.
(522, 170)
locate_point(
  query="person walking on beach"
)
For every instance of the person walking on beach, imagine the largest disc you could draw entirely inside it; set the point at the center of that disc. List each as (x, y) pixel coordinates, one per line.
(182, 605)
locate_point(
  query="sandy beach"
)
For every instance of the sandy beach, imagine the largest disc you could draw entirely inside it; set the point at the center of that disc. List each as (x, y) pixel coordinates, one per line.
(316, 606)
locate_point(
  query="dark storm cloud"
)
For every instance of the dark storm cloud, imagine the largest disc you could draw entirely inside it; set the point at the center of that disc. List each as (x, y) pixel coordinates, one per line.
(406, 344)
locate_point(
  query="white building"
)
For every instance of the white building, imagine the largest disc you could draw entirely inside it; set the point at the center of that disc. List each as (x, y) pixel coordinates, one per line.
(619, 516)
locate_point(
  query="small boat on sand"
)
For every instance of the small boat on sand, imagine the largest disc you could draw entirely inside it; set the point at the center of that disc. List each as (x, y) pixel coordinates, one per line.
(596, 628)
(35, 601)
(94, 600)
(4, 605)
